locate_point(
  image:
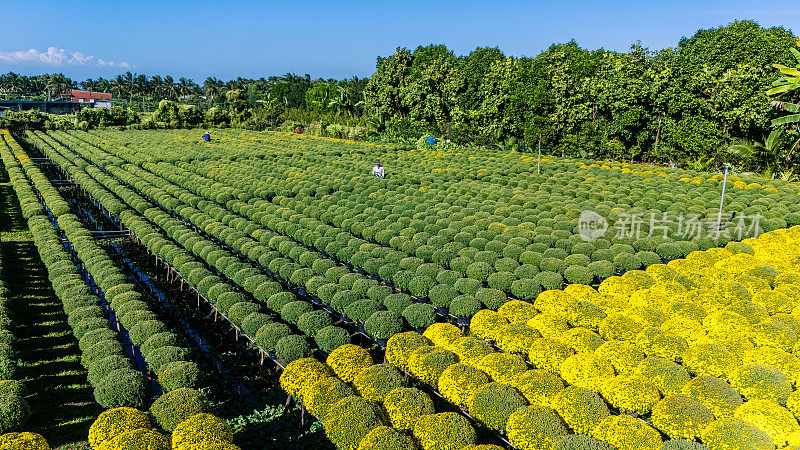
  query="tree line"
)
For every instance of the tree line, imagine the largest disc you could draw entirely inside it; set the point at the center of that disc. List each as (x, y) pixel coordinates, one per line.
(684, 105)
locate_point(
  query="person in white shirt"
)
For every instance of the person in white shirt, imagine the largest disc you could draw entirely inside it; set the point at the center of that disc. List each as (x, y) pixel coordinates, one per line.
(378, 170)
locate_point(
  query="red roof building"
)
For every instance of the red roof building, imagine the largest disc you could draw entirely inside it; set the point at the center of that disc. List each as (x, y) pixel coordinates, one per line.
(89, 96)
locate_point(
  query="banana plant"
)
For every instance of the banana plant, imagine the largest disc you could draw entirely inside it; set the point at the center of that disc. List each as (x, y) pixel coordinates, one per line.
(788, 82)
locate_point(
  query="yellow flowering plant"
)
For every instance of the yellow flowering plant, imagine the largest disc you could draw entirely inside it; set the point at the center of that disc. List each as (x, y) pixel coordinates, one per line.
(348, 360)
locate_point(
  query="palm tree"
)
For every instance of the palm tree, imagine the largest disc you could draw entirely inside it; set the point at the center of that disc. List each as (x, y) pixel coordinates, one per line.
(211, 87)
(766, 158)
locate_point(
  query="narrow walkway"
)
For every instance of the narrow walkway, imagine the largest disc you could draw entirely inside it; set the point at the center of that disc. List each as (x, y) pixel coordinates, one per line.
(61, 400)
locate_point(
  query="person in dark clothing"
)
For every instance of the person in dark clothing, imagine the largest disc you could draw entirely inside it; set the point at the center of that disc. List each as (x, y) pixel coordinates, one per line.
(207, 137)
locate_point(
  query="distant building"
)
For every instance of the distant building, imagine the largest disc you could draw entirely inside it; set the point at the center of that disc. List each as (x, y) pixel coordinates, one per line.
(96, 99)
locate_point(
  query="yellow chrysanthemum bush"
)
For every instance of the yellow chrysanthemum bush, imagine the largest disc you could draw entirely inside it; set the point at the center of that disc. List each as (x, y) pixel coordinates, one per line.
(444, 431)
(470, 350)
(143, 439)
(400, 347)
(548, 325)
(405, 406)
(517, 337)
(534, 427)
(324, 393)
(442, 334)
(580, 408)
(631, 394)
(587, 370)
(517, 311)
(201, 430)
(349, 420)
(538, 386)
(774, 420)
(23, 441)
(349, 360)
(300, 375)
(581, 340)
(493, 403)
(113, 422)
(386, 438)
(502, 367)
(554, 302)
(459, 382)
(735, 434)
(680, 416)
(627, 433)
(486, 324)
(624, 356)
(548, 354)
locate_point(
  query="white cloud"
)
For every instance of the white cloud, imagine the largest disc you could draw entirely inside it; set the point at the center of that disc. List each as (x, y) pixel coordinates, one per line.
(58, 57)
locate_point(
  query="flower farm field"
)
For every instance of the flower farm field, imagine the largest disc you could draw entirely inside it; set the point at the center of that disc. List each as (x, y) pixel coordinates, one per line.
(456, 304)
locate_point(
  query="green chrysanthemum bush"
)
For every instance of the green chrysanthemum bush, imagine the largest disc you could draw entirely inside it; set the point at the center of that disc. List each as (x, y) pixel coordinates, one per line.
(405, 406)
(201, 430)
(627, 433)
(349, 420)
(538, 386)
(667, 376)
(292, 347)
(386, 438)
(581, 409)
(681, 417)
(631, 394)
(122, 387)
(324, 393)
(420, 315)
(715, 394)
(731, 433)
(428, 363)
(535, 427)
(14, 412)
(374, 382)
(444, 431)
(180, 374)
(580, 442)
(400, 347)
(756, 381)
(174, 407)
(493, 403)
(331, 337)
(383, 324)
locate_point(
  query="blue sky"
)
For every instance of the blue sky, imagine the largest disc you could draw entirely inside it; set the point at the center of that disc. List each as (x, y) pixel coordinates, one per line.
(332, 39)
